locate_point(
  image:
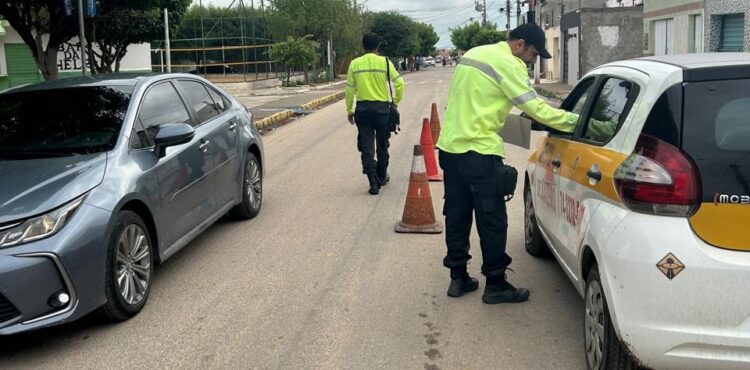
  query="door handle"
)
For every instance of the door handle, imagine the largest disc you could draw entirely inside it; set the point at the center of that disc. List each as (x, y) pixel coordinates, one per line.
(594, 174)
(232, 126)
(204, 145)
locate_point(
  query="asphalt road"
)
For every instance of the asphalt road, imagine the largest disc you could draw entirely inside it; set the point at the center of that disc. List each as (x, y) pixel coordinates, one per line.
(321, 281)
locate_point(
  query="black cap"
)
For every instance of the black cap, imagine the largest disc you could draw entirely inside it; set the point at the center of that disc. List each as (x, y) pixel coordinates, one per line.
(533, 35)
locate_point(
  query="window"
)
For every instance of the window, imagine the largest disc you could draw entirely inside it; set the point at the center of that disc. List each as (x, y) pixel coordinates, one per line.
(732, 32)
(579, 98)
(609, 110)
(664, 37)
(697, 33)
(221, 102)
(161, 105)
(198, 98)
(78, 120)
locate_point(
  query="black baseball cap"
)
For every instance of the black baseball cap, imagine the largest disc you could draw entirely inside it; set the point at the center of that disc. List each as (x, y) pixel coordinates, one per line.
(532, 34)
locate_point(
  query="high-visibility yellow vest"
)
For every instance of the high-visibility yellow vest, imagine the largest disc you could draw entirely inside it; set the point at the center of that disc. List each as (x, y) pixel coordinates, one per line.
(488, 81)
(367, 81)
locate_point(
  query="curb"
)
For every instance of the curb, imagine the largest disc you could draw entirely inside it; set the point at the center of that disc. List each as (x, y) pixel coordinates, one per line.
(285, 115)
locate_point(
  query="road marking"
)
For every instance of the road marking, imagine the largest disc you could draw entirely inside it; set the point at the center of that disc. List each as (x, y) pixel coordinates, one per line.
(422, 82)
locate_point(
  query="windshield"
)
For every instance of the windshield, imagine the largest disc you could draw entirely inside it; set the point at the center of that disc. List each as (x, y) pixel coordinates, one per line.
(61, 122)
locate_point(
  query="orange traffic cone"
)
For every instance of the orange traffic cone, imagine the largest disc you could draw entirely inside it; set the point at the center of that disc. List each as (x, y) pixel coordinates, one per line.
(433, 174)
(435, 124)
(419, 215)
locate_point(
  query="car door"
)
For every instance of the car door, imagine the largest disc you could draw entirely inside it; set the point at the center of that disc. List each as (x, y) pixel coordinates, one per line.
(546, 184)
(223, 132)
(185, 188)
(589, 161)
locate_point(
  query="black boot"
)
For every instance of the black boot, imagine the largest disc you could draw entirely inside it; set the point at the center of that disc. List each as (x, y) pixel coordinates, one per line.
(374, 183)
(461, 282)
(499, 290)
(383, 176)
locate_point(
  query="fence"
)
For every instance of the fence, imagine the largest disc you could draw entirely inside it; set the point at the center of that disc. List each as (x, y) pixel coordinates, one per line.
(229, 49)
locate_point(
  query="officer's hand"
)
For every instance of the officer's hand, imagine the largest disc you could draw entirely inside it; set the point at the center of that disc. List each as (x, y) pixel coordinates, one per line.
(351, 119)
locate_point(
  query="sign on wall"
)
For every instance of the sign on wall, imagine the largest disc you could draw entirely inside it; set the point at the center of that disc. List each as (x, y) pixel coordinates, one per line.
(69, 57)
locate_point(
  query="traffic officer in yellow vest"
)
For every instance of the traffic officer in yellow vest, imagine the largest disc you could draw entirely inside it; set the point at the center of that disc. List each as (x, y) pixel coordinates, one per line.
(487, 82)
(367, 81)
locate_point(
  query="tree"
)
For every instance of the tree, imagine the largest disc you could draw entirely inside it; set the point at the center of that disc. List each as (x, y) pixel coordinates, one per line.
(397, 32)
(34, 20)
(473, 35)
(427, 39)
(121, 23)
(487, 36)
(296, 52)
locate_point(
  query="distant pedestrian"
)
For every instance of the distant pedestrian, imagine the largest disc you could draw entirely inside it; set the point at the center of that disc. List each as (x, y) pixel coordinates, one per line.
(367, 81)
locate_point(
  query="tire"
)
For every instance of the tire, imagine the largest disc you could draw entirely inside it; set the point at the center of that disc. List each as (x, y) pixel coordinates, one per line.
(599, 331)
(134, 264)
(534, 241)
(252, 190)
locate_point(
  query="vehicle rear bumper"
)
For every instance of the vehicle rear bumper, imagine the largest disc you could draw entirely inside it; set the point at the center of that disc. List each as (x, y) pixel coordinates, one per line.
(698, 319)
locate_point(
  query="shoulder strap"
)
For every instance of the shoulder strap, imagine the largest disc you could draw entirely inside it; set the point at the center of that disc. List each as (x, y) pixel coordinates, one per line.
(388, 77)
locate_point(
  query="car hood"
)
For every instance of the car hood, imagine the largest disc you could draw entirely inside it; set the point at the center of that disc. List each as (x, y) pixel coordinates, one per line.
(35, 186)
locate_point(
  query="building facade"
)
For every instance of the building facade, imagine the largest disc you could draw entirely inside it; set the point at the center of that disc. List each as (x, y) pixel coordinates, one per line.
(727, 25)
(673, 27)
(17, 66)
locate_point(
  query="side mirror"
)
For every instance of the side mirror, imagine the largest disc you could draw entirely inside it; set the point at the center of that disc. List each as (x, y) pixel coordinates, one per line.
(171, 134)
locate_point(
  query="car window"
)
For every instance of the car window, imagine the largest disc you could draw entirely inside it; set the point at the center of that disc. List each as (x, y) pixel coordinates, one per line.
(732, 130)
(61, 122)
(609, 110)
(160, 105)
(578, 98)
(200, 100)
(221, 102)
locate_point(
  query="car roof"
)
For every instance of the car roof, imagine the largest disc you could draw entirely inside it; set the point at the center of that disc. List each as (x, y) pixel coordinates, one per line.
(694, 67)
(702, 60)
(117, 79)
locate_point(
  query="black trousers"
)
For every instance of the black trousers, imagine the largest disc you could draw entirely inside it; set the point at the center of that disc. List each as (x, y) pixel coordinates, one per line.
(473, 187)
(374, 136)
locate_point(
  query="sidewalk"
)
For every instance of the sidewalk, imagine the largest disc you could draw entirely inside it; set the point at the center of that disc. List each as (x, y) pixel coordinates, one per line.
(554, 90)
(271, 106)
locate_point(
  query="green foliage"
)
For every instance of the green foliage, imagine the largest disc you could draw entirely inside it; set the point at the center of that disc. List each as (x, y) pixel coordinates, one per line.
(37, 21)
(120, 23)
(296, 53)
(398, 33)
(473, 35)
(427, 39)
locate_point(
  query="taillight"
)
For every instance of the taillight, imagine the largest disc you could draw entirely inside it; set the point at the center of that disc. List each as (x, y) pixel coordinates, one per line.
(659, 178)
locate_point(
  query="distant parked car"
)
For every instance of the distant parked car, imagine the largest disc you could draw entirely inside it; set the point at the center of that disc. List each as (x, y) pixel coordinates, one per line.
(102, 178)
(429, 62)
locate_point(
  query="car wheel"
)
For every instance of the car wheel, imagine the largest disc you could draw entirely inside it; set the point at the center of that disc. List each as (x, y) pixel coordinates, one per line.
(129, 267)
(604, 351)
(535, 244)
(252, 190)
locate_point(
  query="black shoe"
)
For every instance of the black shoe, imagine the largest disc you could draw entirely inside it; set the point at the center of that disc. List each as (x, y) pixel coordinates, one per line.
(374, 184)
(384, 179)
(504, 293)
(461, 286)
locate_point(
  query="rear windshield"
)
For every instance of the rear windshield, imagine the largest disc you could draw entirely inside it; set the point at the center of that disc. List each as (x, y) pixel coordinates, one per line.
(716, 134)
(61, 122)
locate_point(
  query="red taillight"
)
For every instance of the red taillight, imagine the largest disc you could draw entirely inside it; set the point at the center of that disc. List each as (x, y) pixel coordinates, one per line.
(659, 178)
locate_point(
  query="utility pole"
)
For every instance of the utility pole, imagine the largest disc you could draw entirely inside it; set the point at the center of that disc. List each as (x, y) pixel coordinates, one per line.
(484, 13)
(507, 14)
(166, 39)
(82, 37)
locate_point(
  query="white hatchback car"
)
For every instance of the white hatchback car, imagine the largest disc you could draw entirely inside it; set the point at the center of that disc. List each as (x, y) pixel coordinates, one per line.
(651, 219)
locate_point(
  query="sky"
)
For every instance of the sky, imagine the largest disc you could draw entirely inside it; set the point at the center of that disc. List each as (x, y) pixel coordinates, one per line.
(442, 14)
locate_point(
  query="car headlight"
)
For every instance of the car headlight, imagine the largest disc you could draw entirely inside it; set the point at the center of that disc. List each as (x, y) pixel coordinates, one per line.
(39, 227)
